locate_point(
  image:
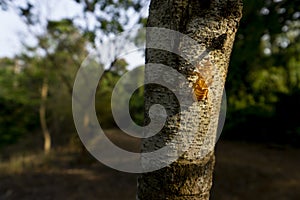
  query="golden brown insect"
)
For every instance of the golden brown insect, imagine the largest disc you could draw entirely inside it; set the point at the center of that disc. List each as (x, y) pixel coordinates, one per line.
(200, 89)
(203, 81)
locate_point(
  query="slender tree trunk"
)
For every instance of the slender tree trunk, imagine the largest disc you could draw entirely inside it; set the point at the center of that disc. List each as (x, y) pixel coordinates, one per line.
(43, 122)
(212, 24)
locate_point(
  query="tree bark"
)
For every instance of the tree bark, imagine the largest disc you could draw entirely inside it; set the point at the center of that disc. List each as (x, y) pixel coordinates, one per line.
(212, 24)
(43, 121)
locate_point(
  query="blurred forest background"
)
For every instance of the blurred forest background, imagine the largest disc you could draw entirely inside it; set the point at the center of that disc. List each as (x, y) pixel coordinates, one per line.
(37, 132)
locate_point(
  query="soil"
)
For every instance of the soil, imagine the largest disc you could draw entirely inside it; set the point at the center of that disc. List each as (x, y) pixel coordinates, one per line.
(243, 171)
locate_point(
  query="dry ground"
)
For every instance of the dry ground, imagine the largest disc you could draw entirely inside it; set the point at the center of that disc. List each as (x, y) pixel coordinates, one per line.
(243, 172)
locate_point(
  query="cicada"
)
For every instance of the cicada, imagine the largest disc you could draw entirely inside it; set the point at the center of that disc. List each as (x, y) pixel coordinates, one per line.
(200, 89)
(204, 79)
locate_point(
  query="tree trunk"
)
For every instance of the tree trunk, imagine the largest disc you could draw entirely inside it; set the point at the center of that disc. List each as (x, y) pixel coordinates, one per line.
(43, 122)
(212, 24)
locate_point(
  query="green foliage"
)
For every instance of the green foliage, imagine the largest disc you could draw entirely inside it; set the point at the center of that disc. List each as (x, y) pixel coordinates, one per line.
(109, 16)
(264, 70)
(103, 97)
(18, 115)
(262, 86)
(113, 15)
(136, 103)
(136, 106)
(60, 50)
(16, 121)
(104, 91)
(63, 49)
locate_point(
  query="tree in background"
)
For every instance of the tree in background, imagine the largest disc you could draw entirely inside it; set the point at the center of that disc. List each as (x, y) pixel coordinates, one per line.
(262, 86)
(60, 49)
(55, 59)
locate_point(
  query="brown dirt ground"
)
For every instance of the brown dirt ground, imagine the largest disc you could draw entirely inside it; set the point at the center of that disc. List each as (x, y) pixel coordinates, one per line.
(243, 171)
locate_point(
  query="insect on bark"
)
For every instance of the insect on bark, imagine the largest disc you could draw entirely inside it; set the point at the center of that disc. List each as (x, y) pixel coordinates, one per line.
(201, 85)
(200, 89)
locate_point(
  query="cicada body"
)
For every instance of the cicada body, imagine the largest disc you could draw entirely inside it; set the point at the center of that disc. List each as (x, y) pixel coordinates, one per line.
(200, 89)
(204, 79)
